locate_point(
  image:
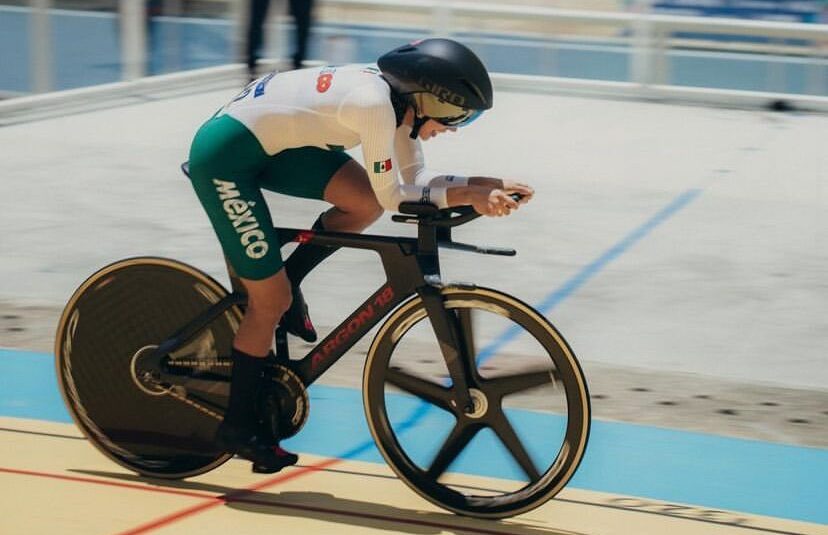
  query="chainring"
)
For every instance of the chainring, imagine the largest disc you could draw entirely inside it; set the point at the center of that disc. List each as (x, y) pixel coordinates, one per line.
(284, 403)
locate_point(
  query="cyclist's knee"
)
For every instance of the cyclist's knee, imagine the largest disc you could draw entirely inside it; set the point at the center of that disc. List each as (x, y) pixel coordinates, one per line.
(270, 309)
(367, 209)
(268, 299)
(373, 212)
(364, 214)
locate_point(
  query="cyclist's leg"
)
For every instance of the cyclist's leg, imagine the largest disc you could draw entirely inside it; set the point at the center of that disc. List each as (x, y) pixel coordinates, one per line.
(305, 172)
(225, 162)
(332, 176)
(229, 191)
(240, 432)
(355, 206)
(267, 300)
(314, 173)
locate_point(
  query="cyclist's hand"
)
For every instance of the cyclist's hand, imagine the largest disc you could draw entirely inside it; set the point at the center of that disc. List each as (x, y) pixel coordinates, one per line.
(491, 202)
(507, 185)
(524, 190)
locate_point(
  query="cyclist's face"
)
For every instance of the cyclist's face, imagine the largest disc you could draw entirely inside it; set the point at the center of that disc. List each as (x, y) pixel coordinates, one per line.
(432, 128)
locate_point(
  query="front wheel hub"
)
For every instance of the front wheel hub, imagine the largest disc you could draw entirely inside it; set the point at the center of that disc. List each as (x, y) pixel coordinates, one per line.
(480, 404)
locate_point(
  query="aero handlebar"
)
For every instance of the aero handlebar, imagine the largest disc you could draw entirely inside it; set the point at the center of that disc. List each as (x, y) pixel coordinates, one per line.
(428, 214)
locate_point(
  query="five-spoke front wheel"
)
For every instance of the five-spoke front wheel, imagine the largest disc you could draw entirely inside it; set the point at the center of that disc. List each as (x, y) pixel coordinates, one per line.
(528, 421)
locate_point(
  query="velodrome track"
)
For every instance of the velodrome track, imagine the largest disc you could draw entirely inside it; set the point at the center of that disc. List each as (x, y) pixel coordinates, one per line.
(680, 250)
(55, 482)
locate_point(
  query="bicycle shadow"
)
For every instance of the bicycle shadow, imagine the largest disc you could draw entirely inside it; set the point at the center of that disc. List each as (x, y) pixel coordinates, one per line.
(341, 510)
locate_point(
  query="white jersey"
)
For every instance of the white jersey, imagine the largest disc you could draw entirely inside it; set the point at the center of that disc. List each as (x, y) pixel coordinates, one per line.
(338, 108)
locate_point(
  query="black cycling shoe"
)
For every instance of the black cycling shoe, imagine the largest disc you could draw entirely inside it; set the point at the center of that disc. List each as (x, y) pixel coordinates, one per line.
(297, 320)
(266, 458)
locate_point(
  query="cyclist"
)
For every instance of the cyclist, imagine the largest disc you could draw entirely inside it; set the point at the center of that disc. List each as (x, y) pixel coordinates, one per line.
(287, 133)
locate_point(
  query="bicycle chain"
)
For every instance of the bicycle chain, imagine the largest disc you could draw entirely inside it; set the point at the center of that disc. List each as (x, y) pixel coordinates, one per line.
(171, 391)
(219, 363)
(212, 363)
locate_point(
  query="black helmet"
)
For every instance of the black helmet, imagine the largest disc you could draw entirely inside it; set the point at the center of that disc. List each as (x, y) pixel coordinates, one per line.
(442, 79)
(442, 67)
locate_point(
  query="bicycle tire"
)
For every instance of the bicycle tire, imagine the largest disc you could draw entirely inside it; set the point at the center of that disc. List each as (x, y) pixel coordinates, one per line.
(414, 468)
(116, 313)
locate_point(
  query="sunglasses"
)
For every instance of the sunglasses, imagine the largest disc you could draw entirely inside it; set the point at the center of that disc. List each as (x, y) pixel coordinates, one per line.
(443, 112)
(460, 120)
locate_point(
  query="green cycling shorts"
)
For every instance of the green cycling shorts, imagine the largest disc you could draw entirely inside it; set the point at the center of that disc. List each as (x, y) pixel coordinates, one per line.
(229, 169)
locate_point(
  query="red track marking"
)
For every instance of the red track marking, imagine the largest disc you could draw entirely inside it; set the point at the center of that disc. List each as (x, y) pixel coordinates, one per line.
(239, 497)
(221, 500)
(133, 486)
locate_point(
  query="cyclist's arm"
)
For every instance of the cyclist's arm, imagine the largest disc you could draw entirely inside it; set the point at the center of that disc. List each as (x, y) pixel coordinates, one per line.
(373, 118)
(488, 195)
(413, 170)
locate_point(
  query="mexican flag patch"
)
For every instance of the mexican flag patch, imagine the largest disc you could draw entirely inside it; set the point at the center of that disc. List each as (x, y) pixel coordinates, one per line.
(382, 167)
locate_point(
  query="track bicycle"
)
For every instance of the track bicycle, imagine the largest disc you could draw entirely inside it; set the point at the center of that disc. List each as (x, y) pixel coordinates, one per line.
(142, 355)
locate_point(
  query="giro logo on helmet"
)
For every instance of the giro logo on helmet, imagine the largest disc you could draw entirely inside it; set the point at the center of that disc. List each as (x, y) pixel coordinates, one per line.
(442, 93)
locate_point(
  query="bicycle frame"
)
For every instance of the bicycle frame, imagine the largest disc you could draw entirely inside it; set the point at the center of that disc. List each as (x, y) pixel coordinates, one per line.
(411, 266)
(404, 275)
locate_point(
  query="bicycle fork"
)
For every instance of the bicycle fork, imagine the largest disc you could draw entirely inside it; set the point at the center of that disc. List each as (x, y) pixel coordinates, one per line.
(455, 344)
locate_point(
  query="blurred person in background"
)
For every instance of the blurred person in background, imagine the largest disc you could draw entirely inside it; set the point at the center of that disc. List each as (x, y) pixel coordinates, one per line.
(288, 133)
(154, 8)
(300, 10)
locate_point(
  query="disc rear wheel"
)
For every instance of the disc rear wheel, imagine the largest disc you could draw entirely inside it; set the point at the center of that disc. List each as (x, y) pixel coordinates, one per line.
(105, 340)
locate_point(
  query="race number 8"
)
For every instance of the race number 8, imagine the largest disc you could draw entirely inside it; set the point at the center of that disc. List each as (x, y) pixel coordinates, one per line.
(323, 83)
